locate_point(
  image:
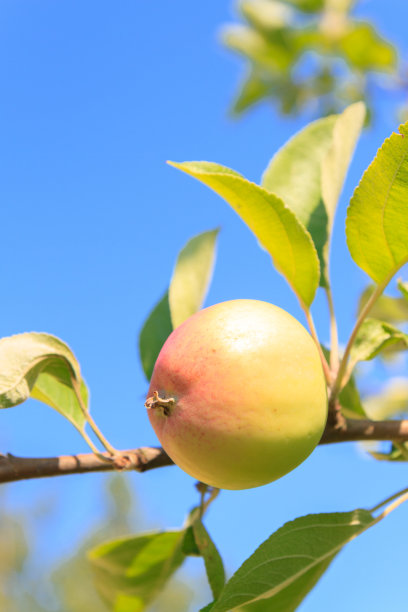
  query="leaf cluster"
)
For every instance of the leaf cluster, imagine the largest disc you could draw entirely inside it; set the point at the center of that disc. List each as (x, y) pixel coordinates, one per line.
(302, 53)
(291, 214)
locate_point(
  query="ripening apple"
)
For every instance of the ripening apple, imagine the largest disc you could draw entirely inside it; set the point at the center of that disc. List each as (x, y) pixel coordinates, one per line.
(238, 397)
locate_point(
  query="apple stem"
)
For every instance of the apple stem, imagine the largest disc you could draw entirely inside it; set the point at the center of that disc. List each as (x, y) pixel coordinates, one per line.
(160, 402)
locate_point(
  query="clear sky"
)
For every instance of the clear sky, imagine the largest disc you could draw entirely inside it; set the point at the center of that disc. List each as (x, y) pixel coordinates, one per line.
(96, 95)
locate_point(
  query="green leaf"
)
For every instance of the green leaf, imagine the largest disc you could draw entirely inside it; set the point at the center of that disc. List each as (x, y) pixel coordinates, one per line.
(308, 173)
(154, 333)
(287, 565)
(130, 572)
(392, 400)
(377, 218)
(189, 546)
(24, 356)
(387, 308)
(274, 53)
(403, 287)
(253, 89)
(350, 400)
(398, 452)
(62, 398)
(290, 598)
(294, 175)
(346, 133)
(366, 50)
(43, 367)
(212, 559)
(191, 276)
(265, 15)
(187, 291)
(372, 337)
(389, 402)
(307, 6)
(274, 225)
(349, 396)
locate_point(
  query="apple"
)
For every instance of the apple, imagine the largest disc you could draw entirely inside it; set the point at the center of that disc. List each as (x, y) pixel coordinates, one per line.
(238, 396)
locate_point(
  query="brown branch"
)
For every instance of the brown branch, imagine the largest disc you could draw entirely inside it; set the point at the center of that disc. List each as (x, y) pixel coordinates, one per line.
(140, 459)
(148, 458)
(354, 430)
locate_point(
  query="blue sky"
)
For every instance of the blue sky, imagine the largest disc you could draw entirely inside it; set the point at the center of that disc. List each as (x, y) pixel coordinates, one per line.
(95, 97)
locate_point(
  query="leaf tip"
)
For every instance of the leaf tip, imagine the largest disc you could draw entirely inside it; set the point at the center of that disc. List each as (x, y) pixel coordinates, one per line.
(403, 129)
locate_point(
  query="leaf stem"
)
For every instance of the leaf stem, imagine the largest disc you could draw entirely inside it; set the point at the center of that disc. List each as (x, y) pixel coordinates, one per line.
(93, 425)
(89, 442)
(203, 489)
(340, 379)
(334, 337)
(400, 497)
(326, 368)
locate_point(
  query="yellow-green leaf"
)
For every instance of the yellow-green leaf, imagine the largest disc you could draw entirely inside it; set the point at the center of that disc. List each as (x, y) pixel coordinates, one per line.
(372, 337)
(308, 172)
(365, 49)
(287, 565)
(154, 333)
(274, 225)
(24, 357)
(191, 277)
(212, 559)
(44, 368)
(377, 218)
(62, 398)
(346, 132)
(129, 573)
(294, 175)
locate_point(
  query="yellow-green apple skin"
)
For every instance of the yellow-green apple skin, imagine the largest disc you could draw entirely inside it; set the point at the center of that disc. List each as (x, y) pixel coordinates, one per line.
(249, 394)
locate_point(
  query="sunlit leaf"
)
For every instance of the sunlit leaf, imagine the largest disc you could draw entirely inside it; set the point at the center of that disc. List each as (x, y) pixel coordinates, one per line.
(349, 396)
(285, 567)
(212, 560)
(372, 337)
(274, 225)
(265, 15)
(289, 599)
(130, 572)
(346, 132)
(295, 175)
(308, 6)
(185, 296)
(308, 173)
(253, 90)
(403, 287)
(43, 367)
(390, 402)
(350, 400)
(377, 218)
(273, 53)
(62, 398)
(386, 308)
(366, 50)
(397, 453)
(191, 277)
(24, 356)
(154, 333)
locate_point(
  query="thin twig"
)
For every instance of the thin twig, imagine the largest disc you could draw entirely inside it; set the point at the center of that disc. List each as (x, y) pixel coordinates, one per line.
(339, 380)
(334, 338)
(313, 332)
(77, 390)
